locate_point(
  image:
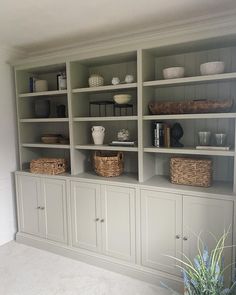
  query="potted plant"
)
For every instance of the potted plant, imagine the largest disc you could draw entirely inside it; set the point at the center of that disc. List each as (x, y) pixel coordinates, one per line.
(205, 274)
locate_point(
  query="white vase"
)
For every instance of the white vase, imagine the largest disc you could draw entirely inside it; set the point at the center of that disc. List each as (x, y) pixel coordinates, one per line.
(98, 133)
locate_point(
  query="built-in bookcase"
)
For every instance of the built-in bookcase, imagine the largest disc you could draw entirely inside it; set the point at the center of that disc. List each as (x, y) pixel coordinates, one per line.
(143, 161)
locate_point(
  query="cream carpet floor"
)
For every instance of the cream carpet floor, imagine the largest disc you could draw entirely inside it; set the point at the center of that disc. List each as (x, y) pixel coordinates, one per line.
(28, 271)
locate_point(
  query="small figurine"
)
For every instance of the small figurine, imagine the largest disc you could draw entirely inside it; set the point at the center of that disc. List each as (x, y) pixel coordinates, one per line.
(176, 132)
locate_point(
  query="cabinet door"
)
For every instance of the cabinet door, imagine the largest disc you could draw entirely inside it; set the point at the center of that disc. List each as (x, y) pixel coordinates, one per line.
(54, 208)
(207, 217)
(118, 222)
(85, 207)
(29, 199)
(161, 230)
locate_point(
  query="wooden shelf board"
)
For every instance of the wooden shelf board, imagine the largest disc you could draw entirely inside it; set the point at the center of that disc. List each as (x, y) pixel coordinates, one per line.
(41, 120)
(44, 145)
(190, 80)
(161, 182)
(106, 148)
(105, 88)
(128, 178)
(44, 93)
(191, 116)
(189, 151)
(115, 118)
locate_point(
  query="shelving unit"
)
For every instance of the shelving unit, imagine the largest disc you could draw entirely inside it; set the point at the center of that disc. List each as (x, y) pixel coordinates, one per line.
(145, 162)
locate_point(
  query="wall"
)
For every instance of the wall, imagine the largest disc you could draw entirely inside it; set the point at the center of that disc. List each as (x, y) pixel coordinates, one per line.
(8, 149)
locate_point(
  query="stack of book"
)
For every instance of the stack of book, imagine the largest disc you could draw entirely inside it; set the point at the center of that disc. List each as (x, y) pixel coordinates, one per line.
(161, 134)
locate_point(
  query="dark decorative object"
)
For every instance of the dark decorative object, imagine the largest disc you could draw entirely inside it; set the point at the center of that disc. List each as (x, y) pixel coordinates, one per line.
(116, 108)
(124, 107)
(42, 108)
(176, 132)
(102, 106)
(61, 111)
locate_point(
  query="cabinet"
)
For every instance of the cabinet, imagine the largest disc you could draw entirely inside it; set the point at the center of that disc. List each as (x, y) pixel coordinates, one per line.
(168, 228)
(103, 219)
(161, 228)
(42, 207)
(29, 198)
(208, 218)
(85, 212)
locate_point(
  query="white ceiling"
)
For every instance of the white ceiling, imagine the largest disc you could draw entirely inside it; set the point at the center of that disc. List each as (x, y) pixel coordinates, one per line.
(35, 25)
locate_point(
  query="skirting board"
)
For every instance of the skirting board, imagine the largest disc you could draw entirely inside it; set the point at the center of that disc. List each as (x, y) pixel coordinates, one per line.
(134, 271)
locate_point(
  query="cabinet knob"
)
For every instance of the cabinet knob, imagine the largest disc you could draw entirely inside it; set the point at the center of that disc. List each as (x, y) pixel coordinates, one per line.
(102, 220)
(97, 219)
(38, 207)
(177, 237)
(185, 238)
(42, 208)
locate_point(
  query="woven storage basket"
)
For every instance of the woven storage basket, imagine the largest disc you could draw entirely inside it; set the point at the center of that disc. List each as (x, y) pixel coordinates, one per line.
(196, 172)
(108, 164)
(190, 107)
(95, 80)
(50, 166)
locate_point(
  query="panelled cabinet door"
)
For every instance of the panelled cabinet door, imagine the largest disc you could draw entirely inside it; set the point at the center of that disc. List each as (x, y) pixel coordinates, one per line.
(161, 230)
(85, 207)
(118, 222)
(209, 218)
(54, 209)
(29, 199)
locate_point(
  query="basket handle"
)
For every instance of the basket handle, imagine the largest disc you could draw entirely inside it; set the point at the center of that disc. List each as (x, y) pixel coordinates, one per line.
(120, 155)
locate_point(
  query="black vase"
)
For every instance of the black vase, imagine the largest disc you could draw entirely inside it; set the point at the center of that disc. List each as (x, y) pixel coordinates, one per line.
(176, 133)
(42, 108)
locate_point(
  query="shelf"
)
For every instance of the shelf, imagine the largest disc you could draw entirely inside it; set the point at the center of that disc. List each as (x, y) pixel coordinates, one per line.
(45, 93)
(107, 148)
(48, 146)
(191, 116)
(191, 80)
(161, 182)
(42, 120)
(115, 118)
(105, 88)
(189, 151)
(128, 178)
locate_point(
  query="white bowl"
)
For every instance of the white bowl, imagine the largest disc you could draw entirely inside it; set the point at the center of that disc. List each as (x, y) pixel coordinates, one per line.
(122, 98)
(173, 73)
(212, 68)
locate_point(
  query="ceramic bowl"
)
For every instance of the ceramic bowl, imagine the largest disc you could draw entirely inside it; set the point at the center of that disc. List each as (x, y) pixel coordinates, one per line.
(212, 68)
(173, 73)
(122, 98)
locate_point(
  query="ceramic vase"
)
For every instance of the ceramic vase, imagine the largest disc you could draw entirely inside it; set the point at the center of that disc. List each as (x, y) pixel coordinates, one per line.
(98, 134)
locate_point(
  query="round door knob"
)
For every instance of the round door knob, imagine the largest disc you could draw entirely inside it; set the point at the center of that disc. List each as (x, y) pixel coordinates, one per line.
(38, 207)
(185, 238)
(42, 208)
(97, 219)
(177, 237)
(102, 220)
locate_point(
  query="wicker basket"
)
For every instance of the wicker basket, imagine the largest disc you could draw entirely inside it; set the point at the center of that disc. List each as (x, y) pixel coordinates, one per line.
(196, 172)
(108, 164)
(50, 166)
(95, 80)
(190, 107)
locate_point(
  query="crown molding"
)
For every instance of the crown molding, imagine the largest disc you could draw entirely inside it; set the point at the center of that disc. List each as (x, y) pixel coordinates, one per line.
(9, 53)
(200, 28)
